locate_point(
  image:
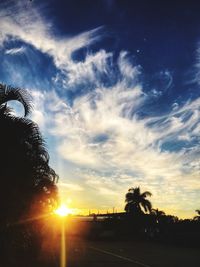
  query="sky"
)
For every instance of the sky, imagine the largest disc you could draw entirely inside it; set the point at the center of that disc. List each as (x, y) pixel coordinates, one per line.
(116, 92)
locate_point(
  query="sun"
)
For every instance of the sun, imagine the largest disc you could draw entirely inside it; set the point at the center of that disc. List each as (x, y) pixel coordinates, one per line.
(63, 210)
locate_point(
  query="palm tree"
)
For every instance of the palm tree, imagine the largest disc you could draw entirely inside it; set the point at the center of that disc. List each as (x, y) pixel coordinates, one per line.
(24, 162)
(158, 213)
(197, 218)
(28, 183)
(137, 202)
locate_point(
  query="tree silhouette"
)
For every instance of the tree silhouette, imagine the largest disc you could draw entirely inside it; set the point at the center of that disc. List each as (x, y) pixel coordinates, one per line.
(137, 202)
(28, 184)
(197, 218)
(158, 213)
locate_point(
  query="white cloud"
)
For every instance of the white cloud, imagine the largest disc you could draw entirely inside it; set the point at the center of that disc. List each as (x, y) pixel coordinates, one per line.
(87, 71)
(28, 26)
(15, 51)
(126, 68)
(101, 133)
(70, 186)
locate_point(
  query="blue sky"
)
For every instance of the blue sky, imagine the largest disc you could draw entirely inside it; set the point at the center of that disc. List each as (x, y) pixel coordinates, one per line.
(115, 86)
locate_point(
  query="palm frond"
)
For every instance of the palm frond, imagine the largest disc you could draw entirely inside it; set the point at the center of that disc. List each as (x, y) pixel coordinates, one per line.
(157, 212)
(146, 204)
(146, 194)
(198, 211)
(131, 190)
(8, 93)
(137, 191)
(129, 197)
(196, 218)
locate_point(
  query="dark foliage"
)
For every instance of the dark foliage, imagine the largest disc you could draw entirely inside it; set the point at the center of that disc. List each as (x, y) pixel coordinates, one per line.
(197, 218)
(28, 184)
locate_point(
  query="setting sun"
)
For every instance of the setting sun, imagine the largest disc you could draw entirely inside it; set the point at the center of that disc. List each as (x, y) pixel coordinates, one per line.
(63, 210)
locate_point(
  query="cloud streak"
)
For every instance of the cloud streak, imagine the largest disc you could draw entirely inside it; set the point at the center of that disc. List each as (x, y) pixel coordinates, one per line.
(101, 140)
(29, 26)
(102, 133)
(15, 51)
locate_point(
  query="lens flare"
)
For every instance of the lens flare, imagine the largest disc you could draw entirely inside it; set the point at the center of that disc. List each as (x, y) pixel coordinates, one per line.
(63, 211)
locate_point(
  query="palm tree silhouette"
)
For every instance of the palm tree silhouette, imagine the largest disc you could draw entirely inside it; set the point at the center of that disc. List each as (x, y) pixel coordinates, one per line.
(25, 173)
(137, 202)
(158, 213)
(197, 218)
(28, 183)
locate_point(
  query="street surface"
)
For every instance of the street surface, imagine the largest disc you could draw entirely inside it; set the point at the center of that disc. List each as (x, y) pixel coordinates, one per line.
(83, 253)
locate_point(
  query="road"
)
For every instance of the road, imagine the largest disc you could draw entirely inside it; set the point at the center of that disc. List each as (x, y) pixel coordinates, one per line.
(83, 253)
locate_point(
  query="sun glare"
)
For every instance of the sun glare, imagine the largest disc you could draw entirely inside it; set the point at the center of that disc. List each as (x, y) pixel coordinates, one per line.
(63, 210)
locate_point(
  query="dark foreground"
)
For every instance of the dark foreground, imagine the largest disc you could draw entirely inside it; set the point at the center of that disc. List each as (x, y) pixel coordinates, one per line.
(82, 253)
(96, 244)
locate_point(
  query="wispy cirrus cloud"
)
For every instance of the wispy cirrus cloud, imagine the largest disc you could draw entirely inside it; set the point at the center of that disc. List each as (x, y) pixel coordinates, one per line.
(102, 141)
(28, 26)
(102, 133)
(15, 51)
